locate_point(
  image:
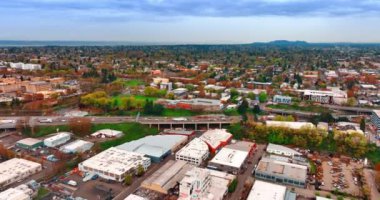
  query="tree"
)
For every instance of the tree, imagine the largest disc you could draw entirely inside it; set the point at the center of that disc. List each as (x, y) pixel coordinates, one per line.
(362, 124)
(242, 109)
(128, 179)
(140, 170)
(232, 186)
(256, 109)
(251, 95)
(80, 126)
(263, 97)
(233, 93)
(351, 101)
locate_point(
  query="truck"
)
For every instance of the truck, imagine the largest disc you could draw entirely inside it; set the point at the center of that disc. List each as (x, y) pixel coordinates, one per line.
(47, 120)
(179, 119)
(72, 183)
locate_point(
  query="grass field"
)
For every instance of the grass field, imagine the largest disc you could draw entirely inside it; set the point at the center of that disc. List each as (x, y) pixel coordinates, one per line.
(132, 131)
(42, 192)
(138, 99)
(311, 108)
(133, 83)
(177, 113)
(41, 131)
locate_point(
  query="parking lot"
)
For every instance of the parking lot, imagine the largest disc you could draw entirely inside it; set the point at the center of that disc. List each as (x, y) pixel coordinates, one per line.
(340, 176)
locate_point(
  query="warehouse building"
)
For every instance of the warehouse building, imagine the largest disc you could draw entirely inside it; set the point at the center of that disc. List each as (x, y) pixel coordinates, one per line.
(204, 184)
(266, 191)
(216, 139)
(107, 133)
(249, 147)
(291, 125)
(29, 143)
(228, 160)
(195, 152)
(184, 132)
(282, 150)
(167, 176)
(58, 139)
(282, 99)
(375, 119)
(17, 169)
(156, 147)
(135, 197)
(78, 146)
(21, 192)
(281, 172)
(114, 164)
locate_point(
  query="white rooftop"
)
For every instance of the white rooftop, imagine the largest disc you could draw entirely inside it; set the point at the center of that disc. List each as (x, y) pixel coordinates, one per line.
(12, 168)
(29, 141)
(14, 194)
(57, 136)
(76, 145)
(195, 148)
(377, 112)
(276, 147)
(230, 157)
(135, 197)
(115, 161)
(107, 133)
(215, 137)
(267, 191)
(292, 125)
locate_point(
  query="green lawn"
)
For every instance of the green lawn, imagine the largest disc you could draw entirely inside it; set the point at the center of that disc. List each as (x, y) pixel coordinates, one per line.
(177, 113)
(132, 131)
(374, 155)
(40, 131)
(310, 108)
(133, 83)
(138, 98)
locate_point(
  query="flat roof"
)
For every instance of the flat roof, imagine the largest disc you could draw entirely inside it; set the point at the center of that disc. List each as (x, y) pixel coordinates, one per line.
(29, 141)
(107, 132)
(12, 168)
(135, 197)
(58, 136)
(13, 194)
(230, 157)
(195, 148)
(153, 145)
(266, 191)
(241, 145)
(275, 147)
(215, 137)
(377, 112)
(284, 169)
(178, 132)
(76, 144)
(115, 161)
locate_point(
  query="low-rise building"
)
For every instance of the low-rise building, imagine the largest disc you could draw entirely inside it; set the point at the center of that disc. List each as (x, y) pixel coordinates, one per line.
(29, 143)
(184, 132)
(292, 125)
(114, 163)
(216, 139)
(282, 99)
(107, 133)
(135, 197)
(325, 97)
(17, 169)
(37, 86)
(281, 172)
(78, 146)
(21, 192)
(156, 147)
(375, 119)
(228, 160)
(282, 150)
(266, 191)
(58, 139)
(195, 152)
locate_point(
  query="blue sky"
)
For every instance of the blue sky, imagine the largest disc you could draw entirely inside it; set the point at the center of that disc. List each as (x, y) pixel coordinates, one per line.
(191, 21)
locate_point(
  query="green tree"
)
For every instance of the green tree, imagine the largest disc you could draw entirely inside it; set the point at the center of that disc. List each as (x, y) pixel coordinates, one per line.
(263, 97)
(251, 95)
(362, 124)
(232, 186)
(140, 170)
(243, 107)
(128, 179)
(234, 93)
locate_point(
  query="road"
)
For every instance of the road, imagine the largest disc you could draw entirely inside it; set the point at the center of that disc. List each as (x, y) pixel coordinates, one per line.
(370, 180)
(247, 173)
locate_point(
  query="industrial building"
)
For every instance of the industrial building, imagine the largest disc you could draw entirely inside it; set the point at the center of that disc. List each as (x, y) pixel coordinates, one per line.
(267, 191)
(184, 132)
(78, 146)
(282, 150)
(195, 152)
(216, 139)
(205, 184)
(29, 143)
(291, 125)
(17, 169)
(282, 99)
(58, 139)
(327, 97)
(21, 192)
(107, 133)
(156, 147)
(281, 172)
(228, 160)
(249, 147)
(375, 119)
(114, 163)
(135, 197)
(167, 176)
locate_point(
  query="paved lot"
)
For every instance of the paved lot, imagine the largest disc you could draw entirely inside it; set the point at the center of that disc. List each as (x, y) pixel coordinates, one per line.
(9, 139)
(369, 178)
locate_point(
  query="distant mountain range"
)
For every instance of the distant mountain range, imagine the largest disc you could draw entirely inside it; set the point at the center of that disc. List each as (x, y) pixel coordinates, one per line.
(276, 43)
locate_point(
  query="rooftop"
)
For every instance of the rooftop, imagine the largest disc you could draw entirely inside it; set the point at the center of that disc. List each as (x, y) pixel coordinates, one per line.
(281, 148)
(215, 137)
(230, 157)
(58, 136)
(195, 148)
(107, 133)
(280, 168)
(12, 168)
(29, 141)
(292, 125)
(267, 191)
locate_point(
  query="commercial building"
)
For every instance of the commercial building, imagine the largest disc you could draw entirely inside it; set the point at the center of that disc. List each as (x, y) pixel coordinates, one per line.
(156, 147)
(242, 146)
(204, 184)
(78, 146)
(107, 133)
(282, 99)
(281, 172)
(326, 97)
(29, 143)
(58, 139)
(25, 66)
(281, 150)
(375, 119)
(21, 192)
(193, 104)
(184, 132)
(167, 176)
(216, 139)
(195, 152)
(17, 169)
(37, 86)
(135, 197)
(267, 191)
(114, 163)
(292, 125)
(228, 160)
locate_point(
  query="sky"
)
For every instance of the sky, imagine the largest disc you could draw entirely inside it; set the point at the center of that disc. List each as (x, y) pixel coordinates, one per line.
(191, 21)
